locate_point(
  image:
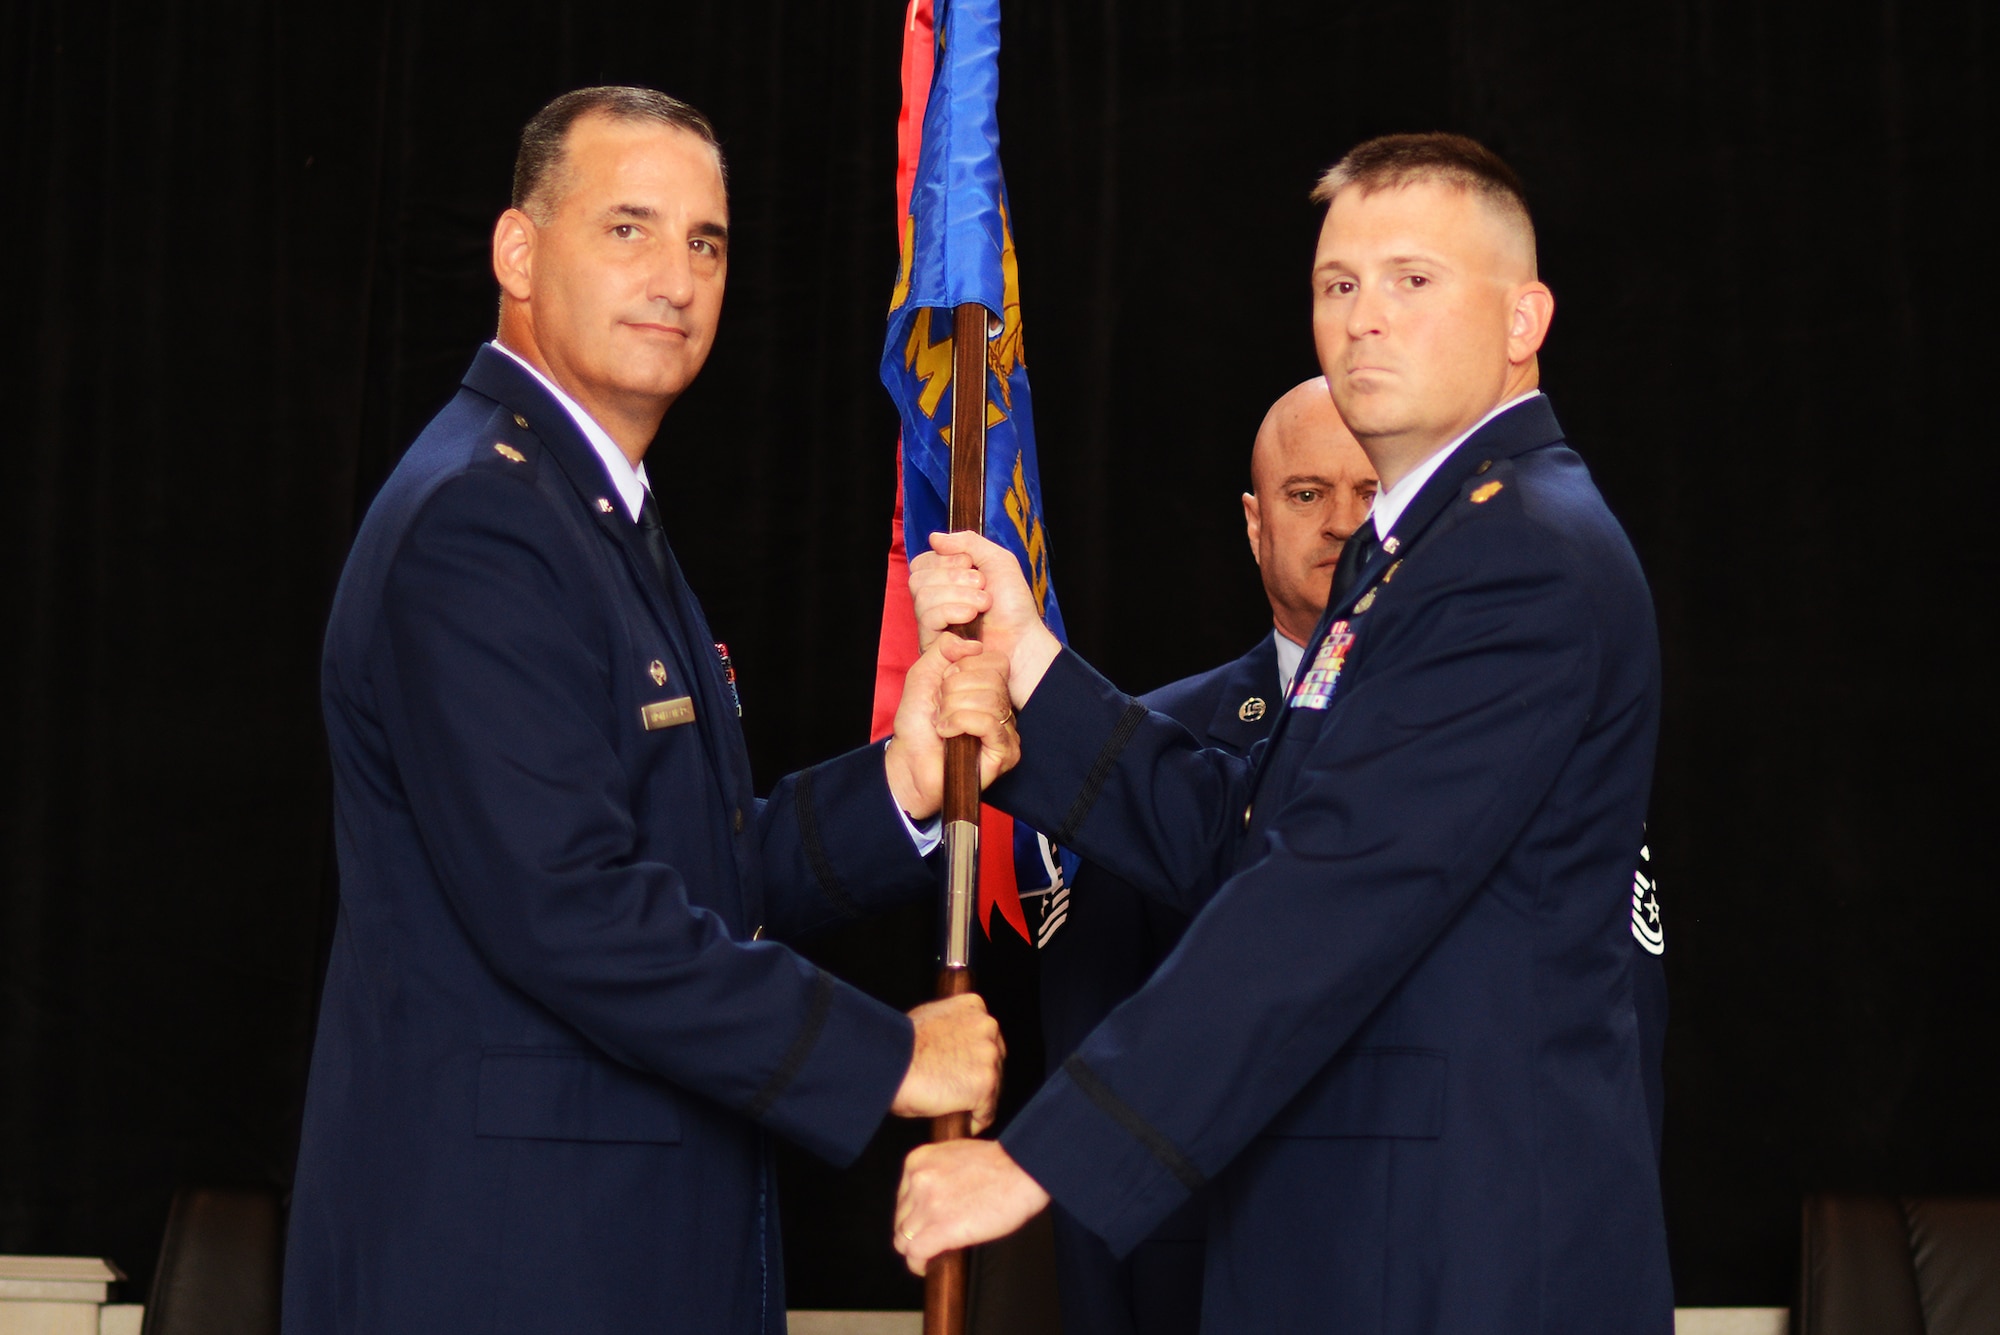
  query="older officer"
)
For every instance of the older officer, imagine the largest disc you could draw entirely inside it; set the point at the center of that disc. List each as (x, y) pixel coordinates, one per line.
(556, 1027)
(1399, 1043)
(1310, 488)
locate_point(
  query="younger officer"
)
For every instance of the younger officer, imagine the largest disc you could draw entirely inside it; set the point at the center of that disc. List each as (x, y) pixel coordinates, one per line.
(1400, 1042)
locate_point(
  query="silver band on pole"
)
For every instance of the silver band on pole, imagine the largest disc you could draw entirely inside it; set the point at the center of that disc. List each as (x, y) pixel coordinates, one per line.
(961, 844)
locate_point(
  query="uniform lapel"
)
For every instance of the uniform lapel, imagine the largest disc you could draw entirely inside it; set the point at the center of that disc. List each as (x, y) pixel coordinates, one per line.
(496, 375)
(1250, 700)
(711, 690)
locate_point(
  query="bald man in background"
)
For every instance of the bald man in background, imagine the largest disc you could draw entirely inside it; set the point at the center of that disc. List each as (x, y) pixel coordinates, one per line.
(1311, 487)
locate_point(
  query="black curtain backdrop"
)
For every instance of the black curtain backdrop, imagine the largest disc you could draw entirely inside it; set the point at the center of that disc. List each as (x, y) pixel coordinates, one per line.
(246, 254)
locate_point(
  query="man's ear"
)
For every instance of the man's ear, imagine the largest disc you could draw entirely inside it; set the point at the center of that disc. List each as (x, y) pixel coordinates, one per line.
(1253, 525)
(514, 253)
(1534, 308)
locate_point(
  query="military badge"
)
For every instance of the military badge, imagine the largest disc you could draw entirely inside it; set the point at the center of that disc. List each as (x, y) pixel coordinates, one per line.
(1251, 710)
(508, 452)
(1486, 492)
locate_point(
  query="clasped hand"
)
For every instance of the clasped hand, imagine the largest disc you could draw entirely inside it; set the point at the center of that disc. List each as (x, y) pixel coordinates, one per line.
(965, 576)
(959, 1194)
(956, 689)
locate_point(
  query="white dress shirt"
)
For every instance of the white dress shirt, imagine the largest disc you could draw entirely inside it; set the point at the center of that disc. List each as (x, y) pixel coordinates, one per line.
(1289, 655)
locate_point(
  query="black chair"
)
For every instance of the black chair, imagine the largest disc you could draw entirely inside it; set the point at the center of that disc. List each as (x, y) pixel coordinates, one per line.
(1908, 1265)
(220, 1264)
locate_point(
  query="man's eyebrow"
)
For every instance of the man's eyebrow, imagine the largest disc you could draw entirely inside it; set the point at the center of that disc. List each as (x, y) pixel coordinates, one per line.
(715, 231)
(1304, 479)
(639, 212)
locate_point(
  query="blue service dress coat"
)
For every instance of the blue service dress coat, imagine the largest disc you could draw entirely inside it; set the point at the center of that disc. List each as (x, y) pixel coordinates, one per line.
(1113, 939)
(1398, 1044)
(556, 1027)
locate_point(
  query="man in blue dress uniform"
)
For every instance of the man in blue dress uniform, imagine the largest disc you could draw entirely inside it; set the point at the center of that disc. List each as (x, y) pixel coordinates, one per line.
(557, 1027)
(1310, 488)
(1399, 1043)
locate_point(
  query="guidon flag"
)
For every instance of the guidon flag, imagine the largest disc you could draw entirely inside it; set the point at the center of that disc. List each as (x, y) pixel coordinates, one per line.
(957, 246)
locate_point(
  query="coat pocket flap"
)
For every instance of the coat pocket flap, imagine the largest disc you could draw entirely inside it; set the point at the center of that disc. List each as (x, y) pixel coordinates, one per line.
(567, 1095)
(1397, 1092)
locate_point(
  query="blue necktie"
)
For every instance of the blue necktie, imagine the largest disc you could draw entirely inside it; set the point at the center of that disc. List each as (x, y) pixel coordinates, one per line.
(1355, 558)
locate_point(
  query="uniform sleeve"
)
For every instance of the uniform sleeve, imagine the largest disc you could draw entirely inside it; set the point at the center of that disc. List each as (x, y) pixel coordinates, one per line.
(490, 684)
(835, 846)
(1402, 804)
(1089, 751)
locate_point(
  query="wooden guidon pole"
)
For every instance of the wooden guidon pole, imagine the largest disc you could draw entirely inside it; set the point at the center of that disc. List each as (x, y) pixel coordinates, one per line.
(945, 1279)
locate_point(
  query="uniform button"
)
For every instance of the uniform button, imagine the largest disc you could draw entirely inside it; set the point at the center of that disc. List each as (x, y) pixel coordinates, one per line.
(1246, 818)
(520, 421)
(737, 820)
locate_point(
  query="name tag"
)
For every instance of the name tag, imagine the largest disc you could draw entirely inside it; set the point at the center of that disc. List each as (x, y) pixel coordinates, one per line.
(667, 713)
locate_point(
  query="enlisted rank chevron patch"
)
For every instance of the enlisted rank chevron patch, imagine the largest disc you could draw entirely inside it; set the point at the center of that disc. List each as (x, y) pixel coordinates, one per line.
(1646, 928)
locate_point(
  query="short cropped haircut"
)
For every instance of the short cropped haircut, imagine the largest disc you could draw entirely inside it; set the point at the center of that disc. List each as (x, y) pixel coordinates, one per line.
(539, 163)
(1395, 160)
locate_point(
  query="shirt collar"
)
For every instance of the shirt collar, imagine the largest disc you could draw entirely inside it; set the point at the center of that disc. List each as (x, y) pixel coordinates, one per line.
(1289, 655)
(631, 482)
(1390, 502)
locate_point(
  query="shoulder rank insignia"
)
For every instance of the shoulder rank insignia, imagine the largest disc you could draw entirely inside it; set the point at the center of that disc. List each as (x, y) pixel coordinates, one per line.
(1251, 710)
(506, 451)
(1486, 492)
